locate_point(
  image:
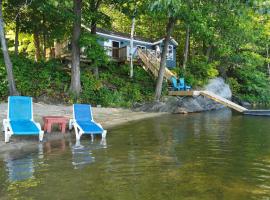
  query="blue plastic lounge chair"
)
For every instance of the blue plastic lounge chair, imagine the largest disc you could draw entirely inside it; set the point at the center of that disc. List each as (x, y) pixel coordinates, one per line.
(20, 118)
(183, 84)
(84, 123)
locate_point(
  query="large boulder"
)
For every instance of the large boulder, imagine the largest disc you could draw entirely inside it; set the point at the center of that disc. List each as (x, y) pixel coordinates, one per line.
(174, 104)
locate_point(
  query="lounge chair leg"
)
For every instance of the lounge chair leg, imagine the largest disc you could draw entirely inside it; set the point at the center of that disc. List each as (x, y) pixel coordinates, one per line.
(78, 133)
(92, 137)
(41, 134)
(103, 141)
(70, 124)
(7, 136)
(104, 133)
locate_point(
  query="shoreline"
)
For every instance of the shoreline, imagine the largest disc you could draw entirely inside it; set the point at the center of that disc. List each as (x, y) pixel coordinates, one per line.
(108, 117)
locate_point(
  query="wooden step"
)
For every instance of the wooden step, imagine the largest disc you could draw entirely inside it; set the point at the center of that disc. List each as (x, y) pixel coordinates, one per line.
(152, 63)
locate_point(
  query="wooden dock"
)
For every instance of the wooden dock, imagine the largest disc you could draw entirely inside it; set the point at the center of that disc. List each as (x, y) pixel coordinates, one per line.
(223, 101)
(257, 112)
(210, 95)
(182, 93)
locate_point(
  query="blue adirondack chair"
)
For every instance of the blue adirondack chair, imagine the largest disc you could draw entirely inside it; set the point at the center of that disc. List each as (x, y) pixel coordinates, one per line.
(176, 86)
(84, 123)
(183, 84)
(20, 118)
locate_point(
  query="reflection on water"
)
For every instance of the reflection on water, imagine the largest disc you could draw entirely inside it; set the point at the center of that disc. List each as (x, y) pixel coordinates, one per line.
(215, 155)
(82, 155)
(21, 167)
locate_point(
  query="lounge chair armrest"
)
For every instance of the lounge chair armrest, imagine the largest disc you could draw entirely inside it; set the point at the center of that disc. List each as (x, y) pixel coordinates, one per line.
(38, 125)
(99, 125)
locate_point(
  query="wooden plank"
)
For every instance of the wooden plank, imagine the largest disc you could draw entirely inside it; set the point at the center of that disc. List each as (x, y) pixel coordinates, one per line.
(181, 93)
(223, 101)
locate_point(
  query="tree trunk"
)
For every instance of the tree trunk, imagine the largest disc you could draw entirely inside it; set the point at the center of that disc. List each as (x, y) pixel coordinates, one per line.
(267, 56)
(11, 82)
(75, 86)
(186, 48)
(131, 46)
(208, 52)
(16, 44)
(44, 45)
(169, 30)
(94, 6)
(37, 46)
(96, 72)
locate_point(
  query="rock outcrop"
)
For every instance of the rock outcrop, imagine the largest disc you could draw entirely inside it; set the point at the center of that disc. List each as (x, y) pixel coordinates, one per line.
(183, 105)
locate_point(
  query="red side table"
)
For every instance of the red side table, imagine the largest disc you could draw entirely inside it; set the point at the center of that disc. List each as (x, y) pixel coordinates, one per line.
(50, 120)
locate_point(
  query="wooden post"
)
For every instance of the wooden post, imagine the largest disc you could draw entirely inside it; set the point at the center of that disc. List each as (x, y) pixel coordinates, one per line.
(131, 46)
(186, 47)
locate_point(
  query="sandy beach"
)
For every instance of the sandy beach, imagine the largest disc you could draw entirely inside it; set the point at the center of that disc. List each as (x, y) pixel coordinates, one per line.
(108, 117)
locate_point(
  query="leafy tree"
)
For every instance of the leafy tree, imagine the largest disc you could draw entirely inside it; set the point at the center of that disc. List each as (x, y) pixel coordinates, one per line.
(75, 86)
(93, 51)
(11, 81)
(171, 9)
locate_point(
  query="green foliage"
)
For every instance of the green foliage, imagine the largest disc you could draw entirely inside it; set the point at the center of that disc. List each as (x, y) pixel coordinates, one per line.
(228, 37)
(51, 80)
(199, 71)
(248, 81)
(48, 79)
(93, 51)
(115, 88)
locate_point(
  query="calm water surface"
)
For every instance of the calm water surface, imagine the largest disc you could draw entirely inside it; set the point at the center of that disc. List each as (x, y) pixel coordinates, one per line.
(215, 155)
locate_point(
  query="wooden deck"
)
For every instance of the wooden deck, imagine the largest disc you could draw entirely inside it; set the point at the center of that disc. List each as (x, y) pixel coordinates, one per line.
(184, 93)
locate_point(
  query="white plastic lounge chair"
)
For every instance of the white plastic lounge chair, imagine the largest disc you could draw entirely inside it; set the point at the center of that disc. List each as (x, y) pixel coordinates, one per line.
(84, 123)
(20, 118)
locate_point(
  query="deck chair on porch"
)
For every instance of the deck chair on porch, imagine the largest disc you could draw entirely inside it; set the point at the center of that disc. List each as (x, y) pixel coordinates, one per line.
(176, 86)
(20, 118)
(183, 85)
(84, 123)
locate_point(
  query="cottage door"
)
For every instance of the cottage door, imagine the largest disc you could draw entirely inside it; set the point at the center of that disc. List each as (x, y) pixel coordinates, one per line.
(115, 49)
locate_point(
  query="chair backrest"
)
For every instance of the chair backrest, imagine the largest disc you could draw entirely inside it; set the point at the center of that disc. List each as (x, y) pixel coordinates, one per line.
(182, 81)
(20, 108)
(82, 112)
(174, 82)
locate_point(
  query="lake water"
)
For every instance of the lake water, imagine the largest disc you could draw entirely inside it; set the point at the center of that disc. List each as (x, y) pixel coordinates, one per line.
(214, 155)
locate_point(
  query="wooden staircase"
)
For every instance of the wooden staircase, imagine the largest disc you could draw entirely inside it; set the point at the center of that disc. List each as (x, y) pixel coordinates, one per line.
(152, 63)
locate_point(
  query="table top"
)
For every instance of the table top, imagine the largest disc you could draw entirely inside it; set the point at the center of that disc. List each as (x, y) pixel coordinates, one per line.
(55, 117)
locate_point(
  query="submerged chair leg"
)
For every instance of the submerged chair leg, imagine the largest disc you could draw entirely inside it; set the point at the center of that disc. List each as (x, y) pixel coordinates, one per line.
(78, 133)
(70, 124)
(7, 131)
(41, 134)
(104, 133)
(7, 136)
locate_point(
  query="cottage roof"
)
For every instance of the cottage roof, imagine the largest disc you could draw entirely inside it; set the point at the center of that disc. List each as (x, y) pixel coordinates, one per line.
(126, 36)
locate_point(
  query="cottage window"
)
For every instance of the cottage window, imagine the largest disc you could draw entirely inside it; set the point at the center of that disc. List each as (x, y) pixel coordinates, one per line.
(170, 52)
